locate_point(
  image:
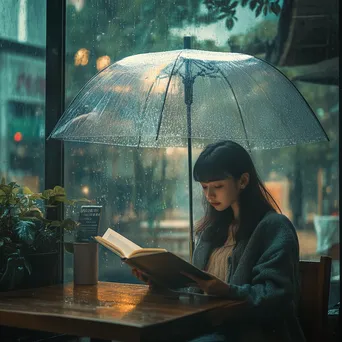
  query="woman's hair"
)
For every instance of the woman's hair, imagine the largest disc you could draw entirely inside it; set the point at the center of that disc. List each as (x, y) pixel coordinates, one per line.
(216, 162)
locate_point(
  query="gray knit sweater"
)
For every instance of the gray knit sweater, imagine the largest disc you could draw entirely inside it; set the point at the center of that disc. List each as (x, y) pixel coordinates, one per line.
(264, 271)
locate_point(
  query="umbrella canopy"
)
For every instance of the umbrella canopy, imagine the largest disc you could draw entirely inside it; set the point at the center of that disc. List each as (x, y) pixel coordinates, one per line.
(144, 100)
(190, 98)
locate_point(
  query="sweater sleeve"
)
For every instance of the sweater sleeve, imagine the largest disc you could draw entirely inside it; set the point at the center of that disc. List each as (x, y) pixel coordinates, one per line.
(274, 277)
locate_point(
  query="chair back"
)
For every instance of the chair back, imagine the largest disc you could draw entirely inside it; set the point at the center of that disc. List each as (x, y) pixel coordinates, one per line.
(314, 297)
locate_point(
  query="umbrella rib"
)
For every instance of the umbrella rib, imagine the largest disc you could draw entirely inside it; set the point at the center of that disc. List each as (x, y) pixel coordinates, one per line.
(262, 89)
(167, 88)
(143, 112)
(106, 96)
(77, 97)
(289, 81)
(238, 105)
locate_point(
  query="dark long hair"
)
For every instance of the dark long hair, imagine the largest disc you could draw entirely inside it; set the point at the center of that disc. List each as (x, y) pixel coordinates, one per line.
(217, 162)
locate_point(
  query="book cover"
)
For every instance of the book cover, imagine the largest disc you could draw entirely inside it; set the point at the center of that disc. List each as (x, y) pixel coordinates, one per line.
(160, 265)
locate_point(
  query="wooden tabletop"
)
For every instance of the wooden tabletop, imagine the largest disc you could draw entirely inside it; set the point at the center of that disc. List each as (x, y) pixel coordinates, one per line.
(124, 312)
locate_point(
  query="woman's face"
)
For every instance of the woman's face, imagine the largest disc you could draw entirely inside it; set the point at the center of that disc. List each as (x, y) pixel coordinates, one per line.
(222, 194)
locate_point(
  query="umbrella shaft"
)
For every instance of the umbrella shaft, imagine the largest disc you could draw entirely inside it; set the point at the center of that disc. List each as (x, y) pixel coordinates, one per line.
(188, 92)
(188, 82)
(191, 230)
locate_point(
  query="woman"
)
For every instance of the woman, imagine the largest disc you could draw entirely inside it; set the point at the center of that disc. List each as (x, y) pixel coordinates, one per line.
(251, 250)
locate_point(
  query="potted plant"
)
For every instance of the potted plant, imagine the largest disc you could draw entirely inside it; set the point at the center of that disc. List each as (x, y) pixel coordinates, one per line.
(28, 239)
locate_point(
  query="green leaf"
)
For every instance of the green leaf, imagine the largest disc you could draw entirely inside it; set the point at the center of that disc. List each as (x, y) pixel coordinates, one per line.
(7, 240)
(3, 181)
(26, 231)
(223, 9)
(221, 16)
(275, 8)
(36, 197)
(69, 224)
(29, 218)
(6, 189)
(27, 191)
(233, 5)
(13, 201)
(27, 266)
(55, 224)
(59, 198)
(47, 194)
(252, 4)
(59, 190)
(258, 11)
(244, 3)
(229, 23)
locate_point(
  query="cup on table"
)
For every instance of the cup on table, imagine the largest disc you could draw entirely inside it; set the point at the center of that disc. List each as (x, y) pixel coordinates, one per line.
(86, 261)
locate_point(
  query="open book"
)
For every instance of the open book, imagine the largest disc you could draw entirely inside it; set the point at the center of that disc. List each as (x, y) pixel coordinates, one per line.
(123, 247)
(161, 266)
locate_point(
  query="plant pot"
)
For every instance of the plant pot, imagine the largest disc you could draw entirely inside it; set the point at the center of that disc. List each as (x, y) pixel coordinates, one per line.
(44, 270)
(14, 273)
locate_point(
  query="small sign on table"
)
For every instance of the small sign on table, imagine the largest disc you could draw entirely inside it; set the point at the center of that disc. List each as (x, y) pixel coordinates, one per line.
(89, 223)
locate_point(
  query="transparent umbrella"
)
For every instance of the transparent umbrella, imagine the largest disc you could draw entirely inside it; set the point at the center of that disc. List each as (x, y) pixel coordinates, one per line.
(190, 98)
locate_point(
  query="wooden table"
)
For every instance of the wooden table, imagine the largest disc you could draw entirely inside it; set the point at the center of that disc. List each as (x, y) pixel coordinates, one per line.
(123, 312)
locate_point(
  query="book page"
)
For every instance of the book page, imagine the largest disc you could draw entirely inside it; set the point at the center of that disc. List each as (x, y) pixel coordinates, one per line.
(145, 251)
(110, 246)
(123, 244)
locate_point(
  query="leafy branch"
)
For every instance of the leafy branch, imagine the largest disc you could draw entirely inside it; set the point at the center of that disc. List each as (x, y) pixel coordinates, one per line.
(227, 9)
(22, 221)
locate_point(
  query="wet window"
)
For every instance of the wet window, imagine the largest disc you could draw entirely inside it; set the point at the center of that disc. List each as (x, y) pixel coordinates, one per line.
(22, 92)
(144, 191)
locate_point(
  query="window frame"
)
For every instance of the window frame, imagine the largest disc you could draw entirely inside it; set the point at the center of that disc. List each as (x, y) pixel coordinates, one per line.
(54, 105)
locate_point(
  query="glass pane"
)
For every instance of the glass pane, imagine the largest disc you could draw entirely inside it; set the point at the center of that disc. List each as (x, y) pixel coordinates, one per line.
(145, 192)
(22, 146)
(22, 92)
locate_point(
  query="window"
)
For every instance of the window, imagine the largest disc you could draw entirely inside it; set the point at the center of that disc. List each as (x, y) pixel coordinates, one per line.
(144, 192)
(22, 91)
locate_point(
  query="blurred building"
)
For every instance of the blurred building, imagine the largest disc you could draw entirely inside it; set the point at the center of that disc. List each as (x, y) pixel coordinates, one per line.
(22, 95)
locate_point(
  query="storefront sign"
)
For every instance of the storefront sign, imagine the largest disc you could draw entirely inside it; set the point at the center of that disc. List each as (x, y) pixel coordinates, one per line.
(30, 85)
(24, 77)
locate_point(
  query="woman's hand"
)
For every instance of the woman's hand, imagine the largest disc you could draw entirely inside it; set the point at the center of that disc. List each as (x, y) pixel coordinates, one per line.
(140, 275)
(144, 278)
(214, 286)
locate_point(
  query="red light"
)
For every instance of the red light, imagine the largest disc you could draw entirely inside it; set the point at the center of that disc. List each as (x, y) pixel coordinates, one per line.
(18, 137)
